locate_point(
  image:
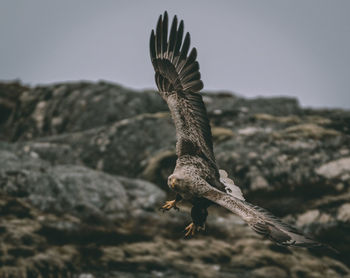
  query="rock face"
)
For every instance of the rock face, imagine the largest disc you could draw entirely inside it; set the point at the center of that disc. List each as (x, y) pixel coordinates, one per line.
(55, 109)
(9, 94)
(84, 168)
(73, 189)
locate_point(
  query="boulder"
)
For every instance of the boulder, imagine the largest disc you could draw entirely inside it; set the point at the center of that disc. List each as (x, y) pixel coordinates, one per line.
(74, 189)
(76, 106)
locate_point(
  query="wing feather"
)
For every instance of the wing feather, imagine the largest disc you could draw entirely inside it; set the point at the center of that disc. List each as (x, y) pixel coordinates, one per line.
(184, 51)
(262, 221)
(230, 186)
(190, 59)
(178, 41)
(165, 34)
(172, 39)
(179, 81)
(159, 37)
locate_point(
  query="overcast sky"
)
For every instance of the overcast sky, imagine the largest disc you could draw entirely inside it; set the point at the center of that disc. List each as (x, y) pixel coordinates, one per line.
(265, 47)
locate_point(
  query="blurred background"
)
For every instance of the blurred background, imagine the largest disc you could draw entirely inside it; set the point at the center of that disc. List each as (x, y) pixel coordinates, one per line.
(254, 48)
(87, 144)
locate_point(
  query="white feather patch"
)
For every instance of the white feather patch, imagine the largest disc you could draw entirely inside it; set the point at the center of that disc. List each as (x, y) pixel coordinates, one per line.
(230, 186)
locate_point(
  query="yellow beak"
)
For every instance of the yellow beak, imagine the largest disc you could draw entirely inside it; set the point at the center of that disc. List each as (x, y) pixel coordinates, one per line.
(172, 182)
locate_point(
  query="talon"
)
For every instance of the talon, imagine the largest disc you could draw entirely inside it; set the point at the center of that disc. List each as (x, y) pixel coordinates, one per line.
(191, 230)
(168, 205)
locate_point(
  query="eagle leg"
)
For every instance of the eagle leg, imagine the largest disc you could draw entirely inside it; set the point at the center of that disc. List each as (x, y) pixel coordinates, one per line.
(199, 212)
(199, 215)
(171, 204)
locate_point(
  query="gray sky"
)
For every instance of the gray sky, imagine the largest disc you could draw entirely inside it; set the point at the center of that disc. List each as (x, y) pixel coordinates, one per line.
(273, 47)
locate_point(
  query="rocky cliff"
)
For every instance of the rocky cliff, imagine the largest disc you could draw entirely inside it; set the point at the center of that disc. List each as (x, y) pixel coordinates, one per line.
(83, 169)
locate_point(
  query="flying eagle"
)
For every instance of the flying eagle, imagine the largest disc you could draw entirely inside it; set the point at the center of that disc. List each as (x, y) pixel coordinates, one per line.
(196, 177)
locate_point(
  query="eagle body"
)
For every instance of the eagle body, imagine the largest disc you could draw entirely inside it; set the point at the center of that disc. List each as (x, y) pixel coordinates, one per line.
(189, 174)
(196, 177)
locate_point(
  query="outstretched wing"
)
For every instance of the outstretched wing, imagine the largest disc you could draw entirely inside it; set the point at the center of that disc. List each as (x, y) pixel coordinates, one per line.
(179, 82)
(260, 220)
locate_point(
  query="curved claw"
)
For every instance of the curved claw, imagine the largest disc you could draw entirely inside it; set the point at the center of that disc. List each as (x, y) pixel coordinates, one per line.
(192, 229)
(169, 205)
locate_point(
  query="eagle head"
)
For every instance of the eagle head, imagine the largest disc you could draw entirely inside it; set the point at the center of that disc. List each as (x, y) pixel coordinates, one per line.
(173, 180)
(176, 182)
(186, 185)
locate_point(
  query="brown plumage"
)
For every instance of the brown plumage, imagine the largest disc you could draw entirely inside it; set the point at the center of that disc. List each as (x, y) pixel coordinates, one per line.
(196, 177)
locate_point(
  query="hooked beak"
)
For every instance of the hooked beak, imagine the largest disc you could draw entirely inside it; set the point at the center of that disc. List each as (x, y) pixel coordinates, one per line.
(172, 182)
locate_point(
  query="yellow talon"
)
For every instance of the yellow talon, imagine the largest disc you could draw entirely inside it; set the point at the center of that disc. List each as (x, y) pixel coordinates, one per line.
(191, 230)
(169, 205)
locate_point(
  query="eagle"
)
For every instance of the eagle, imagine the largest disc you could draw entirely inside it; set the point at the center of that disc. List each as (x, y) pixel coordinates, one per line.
(196, 177)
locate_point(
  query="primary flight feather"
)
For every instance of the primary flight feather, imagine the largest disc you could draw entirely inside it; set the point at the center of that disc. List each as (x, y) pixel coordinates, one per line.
(196, 177)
